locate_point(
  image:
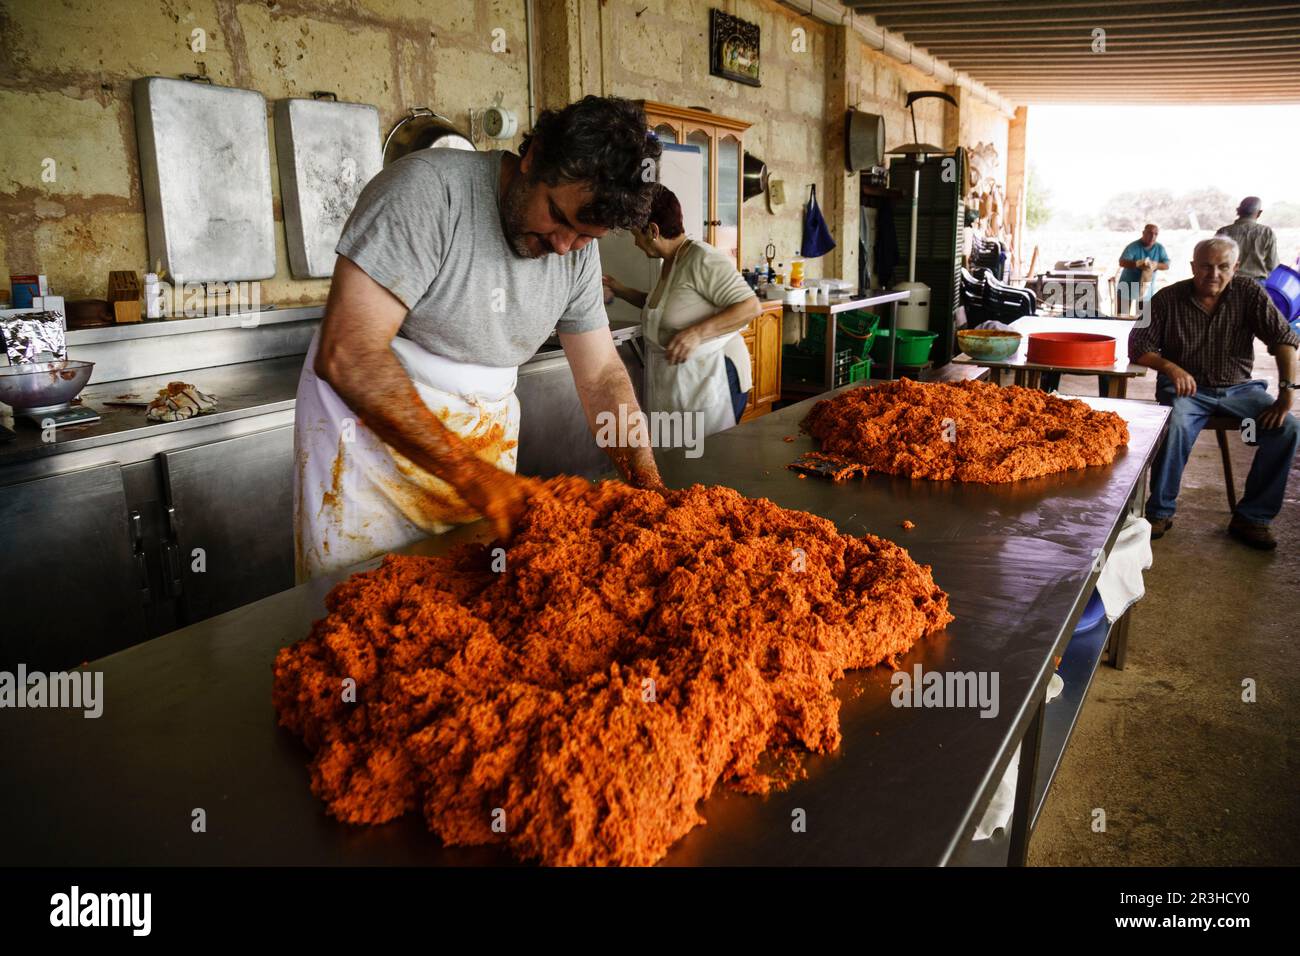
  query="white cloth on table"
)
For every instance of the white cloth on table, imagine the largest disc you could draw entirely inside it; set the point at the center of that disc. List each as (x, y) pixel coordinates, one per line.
(1120, 584)
(998, 815)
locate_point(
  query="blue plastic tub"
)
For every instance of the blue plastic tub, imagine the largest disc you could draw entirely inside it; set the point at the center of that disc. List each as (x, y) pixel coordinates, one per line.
(1092, 614)
(1283, 287)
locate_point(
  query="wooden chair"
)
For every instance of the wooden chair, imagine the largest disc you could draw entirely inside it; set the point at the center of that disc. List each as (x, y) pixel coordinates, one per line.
(1222, 424)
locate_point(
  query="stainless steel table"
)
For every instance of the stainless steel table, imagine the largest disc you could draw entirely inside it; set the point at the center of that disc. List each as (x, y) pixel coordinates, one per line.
(188, 721)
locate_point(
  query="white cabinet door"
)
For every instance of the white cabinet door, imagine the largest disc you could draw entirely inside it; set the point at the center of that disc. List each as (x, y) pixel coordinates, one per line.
(681, 169)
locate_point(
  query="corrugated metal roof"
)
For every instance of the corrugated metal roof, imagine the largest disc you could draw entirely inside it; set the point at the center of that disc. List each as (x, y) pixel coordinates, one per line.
(1036, 51)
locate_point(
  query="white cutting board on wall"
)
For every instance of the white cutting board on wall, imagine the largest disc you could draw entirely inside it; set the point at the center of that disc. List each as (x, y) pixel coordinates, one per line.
(681, 169)
(327, 152)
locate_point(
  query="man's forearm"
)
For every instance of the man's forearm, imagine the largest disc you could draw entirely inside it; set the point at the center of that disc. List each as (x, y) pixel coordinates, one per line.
(1154, 360)
(1285, 364)
(375, 385)
(607, 392)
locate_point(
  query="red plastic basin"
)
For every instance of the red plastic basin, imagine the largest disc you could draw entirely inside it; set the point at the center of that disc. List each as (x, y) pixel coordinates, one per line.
(1078, 349)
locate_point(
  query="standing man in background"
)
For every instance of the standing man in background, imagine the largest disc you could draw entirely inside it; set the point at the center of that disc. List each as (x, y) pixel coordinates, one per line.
(1256, 241)
(1140, 261)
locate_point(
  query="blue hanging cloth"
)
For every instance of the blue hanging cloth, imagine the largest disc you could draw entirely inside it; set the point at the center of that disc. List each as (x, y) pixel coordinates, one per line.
(817, 239)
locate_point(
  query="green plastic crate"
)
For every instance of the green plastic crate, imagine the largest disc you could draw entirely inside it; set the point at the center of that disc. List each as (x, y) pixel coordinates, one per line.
(856, 329)
(860, 371)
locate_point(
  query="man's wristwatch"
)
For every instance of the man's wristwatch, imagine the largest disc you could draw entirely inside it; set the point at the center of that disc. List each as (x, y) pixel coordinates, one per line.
(1285, 384)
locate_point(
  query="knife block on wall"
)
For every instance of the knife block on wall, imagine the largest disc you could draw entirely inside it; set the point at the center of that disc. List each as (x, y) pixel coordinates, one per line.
(124, 296)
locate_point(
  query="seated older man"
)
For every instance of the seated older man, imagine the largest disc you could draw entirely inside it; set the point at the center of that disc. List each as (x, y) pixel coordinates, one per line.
(1200, 341)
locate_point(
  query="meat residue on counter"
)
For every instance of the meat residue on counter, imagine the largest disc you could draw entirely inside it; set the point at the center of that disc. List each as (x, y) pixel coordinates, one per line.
(967, 431)
(576, 696)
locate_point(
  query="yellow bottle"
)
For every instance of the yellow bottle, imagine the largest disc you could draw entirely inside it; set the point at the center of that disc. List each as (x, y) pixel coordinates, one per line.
(796, 273)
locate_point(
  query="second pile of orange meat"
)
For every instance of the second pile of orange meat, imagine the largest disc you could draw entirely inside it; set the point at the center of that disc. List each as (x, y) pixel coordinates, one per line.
(971, 431)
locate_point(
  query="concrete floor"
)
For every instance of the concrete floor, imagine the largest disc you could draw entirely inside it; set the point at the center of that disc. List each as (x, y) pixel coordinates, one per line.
(1188, 773)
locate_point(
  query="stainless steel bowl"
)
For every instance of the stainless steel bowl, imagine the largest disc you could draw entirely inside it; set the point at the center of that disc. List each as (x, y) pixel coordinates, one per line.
(43, 386)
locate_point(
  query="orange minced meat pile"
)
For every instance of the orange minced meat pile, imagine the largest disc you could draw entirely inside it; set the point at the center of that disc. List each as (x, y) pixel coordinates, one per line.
(637, 651)
(968, 431)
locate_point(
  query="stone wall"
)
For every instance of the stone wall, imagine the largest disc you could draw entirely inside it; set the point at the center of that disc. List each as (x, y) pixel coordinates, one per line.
(65, 94)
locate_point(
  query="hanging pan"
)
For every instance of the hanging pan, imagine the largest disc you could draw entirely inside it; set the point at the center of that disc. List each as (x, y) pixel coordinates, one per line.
(754, 177)
(422, 128)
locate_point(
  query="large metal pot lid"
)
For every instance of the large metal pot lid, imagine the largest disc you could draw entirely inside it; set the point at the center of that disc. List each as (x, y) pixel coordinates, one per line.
(422, 128)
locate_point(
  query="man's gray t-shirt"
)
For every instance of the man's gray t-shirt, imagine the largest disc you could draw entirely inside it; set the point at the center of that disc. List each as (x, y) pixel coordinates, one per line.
(428, 229)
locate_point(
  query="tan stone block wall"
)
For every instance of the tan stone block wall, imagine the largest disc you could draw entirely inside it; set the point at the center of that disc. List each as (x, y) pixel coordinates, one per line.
(65, 92)
(986, 124)
(83, 138)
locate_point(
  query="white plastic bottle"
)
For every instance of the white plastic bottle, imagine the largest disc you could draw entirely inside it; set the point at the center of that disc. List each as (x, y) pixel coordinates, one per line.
(152, 296)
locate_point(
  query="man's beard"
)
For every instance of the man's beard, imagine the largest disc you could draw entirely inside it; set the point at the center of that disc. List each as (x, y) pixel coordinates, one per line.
(513, 203)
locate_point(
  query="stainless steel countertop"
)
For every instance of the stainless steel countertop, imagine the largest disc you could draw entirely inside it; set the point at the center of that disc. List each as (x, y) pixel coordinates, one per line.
(244, 389)
(188, 720)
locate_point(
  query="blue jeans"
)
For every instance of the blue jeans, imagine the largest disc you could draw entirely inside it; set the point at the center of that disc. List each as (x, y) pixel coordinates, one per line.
(1266, 483)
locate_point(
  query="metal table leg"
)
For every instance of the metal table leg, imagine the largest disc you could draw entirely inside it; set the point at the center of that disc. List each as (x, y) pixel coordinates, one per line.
(1119, 641)
(893, 340)
(1026, 776)
(831, 324)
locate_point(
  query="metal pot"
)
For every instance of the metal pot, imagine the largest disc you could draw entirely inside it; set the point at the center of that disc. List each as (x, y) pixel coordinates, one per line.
(43, 386)
(422, 128)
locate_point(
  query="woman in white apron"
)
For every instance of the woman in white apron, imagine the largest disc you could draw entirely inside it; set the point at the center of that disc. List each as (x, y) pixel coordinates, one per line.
(696, 361)
(355, 495)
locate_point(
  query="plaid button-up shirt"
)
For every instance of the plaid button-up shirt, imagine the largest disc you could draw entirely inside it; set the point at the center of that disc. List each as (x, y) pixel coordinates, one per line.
(1216, 348)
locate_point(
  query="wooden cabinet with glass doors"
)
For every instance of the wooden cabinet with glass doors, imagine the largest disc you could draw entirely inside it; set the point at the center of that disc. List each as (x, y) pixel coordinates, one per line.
(721, 142)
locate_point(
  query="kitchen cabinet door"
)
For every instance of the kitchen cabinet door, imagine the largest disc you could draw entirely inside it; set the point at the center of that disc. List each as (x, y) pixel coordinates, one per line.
(702, 138)
(230, 521)
(747, 336)
(767, 358)
(71, 584)
(726, 230)
(763, 339)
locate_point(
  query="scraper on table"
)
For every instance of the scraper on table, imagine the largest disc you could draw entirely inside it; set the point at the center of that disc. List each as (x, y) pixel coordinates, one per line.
(826, 466)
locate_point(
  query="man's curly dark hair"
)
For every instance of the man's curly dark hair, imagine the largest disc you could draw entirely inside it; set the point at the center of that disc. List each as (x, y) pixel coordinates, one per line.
(604, 141)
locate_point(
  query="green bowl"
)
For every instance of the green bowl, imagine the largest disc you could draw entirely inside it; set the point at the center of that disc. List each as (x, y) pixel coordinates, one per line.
(990, 344)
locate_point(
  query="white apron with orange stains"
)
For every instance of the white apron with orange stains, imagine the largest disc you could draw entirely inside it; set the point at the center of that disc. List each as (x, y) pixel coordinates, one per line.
(354, 496)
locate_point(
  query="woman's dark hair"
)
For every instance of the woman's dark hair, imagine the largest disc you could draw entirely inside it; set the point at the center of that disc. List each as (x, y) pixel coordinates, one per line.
(603, 141)
(666, 213)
